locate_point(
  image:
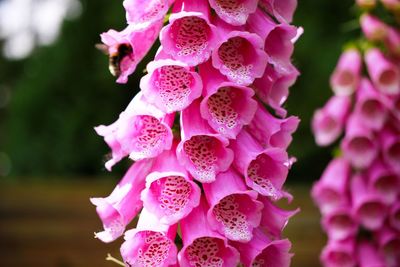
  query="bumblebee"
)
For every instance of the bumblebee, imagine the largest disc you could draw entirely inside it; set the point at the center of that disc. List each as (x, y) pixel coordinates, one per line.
(114, 59)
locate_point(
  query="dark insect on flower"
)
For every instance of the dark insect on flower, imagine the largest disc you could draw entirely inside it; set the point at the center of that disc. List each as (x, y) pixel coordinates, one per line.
(115, 58)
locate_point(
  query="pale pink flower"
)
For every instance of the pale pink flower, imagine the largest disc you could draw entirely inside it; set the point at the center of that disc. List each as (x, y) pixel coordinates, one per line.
(339, 253)
(373, 28)
(392, 40)
(234, 12)
(143, 13)
(339, 223)
(281, 10)
(234, 210)
(118, 209)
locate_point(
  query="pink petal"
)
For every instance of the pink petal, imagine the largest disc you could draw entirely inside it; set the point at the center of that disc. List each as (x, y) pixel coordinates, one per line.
(390, 145)
(369, 256)
(282, 10)
(373, 28)
(339, 223)
(388, 240)
(143, 13)
(394, 216)
(339, 253)
(234, 12)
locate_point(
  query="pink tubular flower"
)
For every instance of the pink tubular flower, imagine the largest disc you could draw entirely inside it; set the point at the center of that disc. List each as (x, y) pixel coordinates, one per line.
(281, 10)
(384, 181)
(339, 223)
(330, 191)
(388, 240)
(262, 251)
(394, 216)
(384, 74)
(239, 55)
(170, 194)
(328, 122)
(118, 209)
(143, 13)
(203, 153)
(346, 76)
(339, 253)
(270, 131)
(203, 246)
(369, 208)
(150, 243)
(234, 12)
(368, 255)
(170, 85)
(358, 145)
(189, 37)
(226, 106)
(141, 131)
(390, 143)
(274, 219)
(234, 211)
(373, 28)
(265, 170)
(371, 106)
(392, 40)
(128, 47)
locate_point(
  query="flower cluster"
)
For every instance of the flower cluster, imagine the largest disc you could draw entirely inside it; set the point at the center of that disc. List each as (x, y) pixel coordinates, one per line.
(359, 192)
(210, 159)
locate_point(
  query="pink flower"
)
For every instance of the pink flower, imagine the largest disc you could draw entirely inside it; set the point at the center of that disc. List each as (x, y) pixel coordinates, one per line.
(203, 246)
(270, 131)
(226, 106)
(170, 193)
(203, 152)
(239, 55)
(339, 223)
(265, 170)
(189, 37)
(118, 209)
(368, 255)
(358, 145)
(388, 240)
(150, 243)
(384, 74)
(234, 12)
(368, 207)
(170, 85)
(234, 211)
(345, 78)
(384, 181)
(328, 122)
(262, 251)
(143, 13)
(394, 216)
(128, 47)
(339, 253)
(392, 40)
(373, 28)
(330, 191)
(141, 131)
(282, 10)
(390, 143)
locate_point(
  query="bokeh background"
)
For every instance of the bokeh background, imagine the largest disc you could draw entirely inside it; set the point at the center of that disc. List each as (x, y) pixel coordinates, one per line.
(55, 87)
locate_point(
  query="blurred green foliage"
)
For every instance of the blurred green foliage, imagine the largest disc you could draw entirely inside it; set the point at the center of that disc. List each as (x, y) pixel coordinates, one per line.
(62, 91)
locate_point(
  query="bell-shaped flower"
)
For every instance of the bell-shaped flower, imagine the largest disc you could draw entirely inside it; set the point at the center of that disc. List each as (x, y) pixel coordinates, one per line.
(234, 12)
(390, 145)
(339, 253)
(274, 219)
(369, 255)
(143, 13)
(189, 37)
(283, 11)
(201, 151)
(201, 245)
(345, 78)
(339, 223)
(118, 209)
(265, 170)
(331, 190)
(234, 210)
(151, 243)
(373, 28)
(371, 106)
(394, 216)
(170, 193)
(384, 74)
(359, 145)
(368, 206)
(384, 181)
(226, 106)
(239, 55)
(392, 40)
(388, 240)
(141, 131)
(127, 48)
(262, 251)
(271, 131)
(329, 121)
(273, 88)
(170, 85)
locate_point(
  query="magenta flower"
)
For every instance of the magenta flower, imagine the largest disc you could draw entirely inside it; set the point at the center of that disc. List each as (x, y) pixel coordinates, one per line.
(392, 40)
(368, 255)
(390, 142)
(328, 122)
(339, 253)
(143, 13)
(282, 10)
(388, 240)
(234, 211)
(394, 216)
(170, 85)
(118, 209)
(234, 12)
(339, 223)
(202, 152)
(384, 181)
(150, 243)
(345, 78)
(141, 131)
(373, 28)
(203, 246)
(189, 37)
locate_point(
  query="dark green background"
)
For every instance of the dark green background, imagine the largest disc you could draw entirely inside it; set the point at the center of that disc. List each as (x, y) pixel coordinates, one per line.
(61, 92)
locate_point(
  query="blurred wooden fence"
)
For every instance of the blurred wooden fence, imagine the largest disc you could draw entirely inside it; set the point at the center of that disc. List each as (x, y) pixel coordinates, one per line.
(52, 224)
